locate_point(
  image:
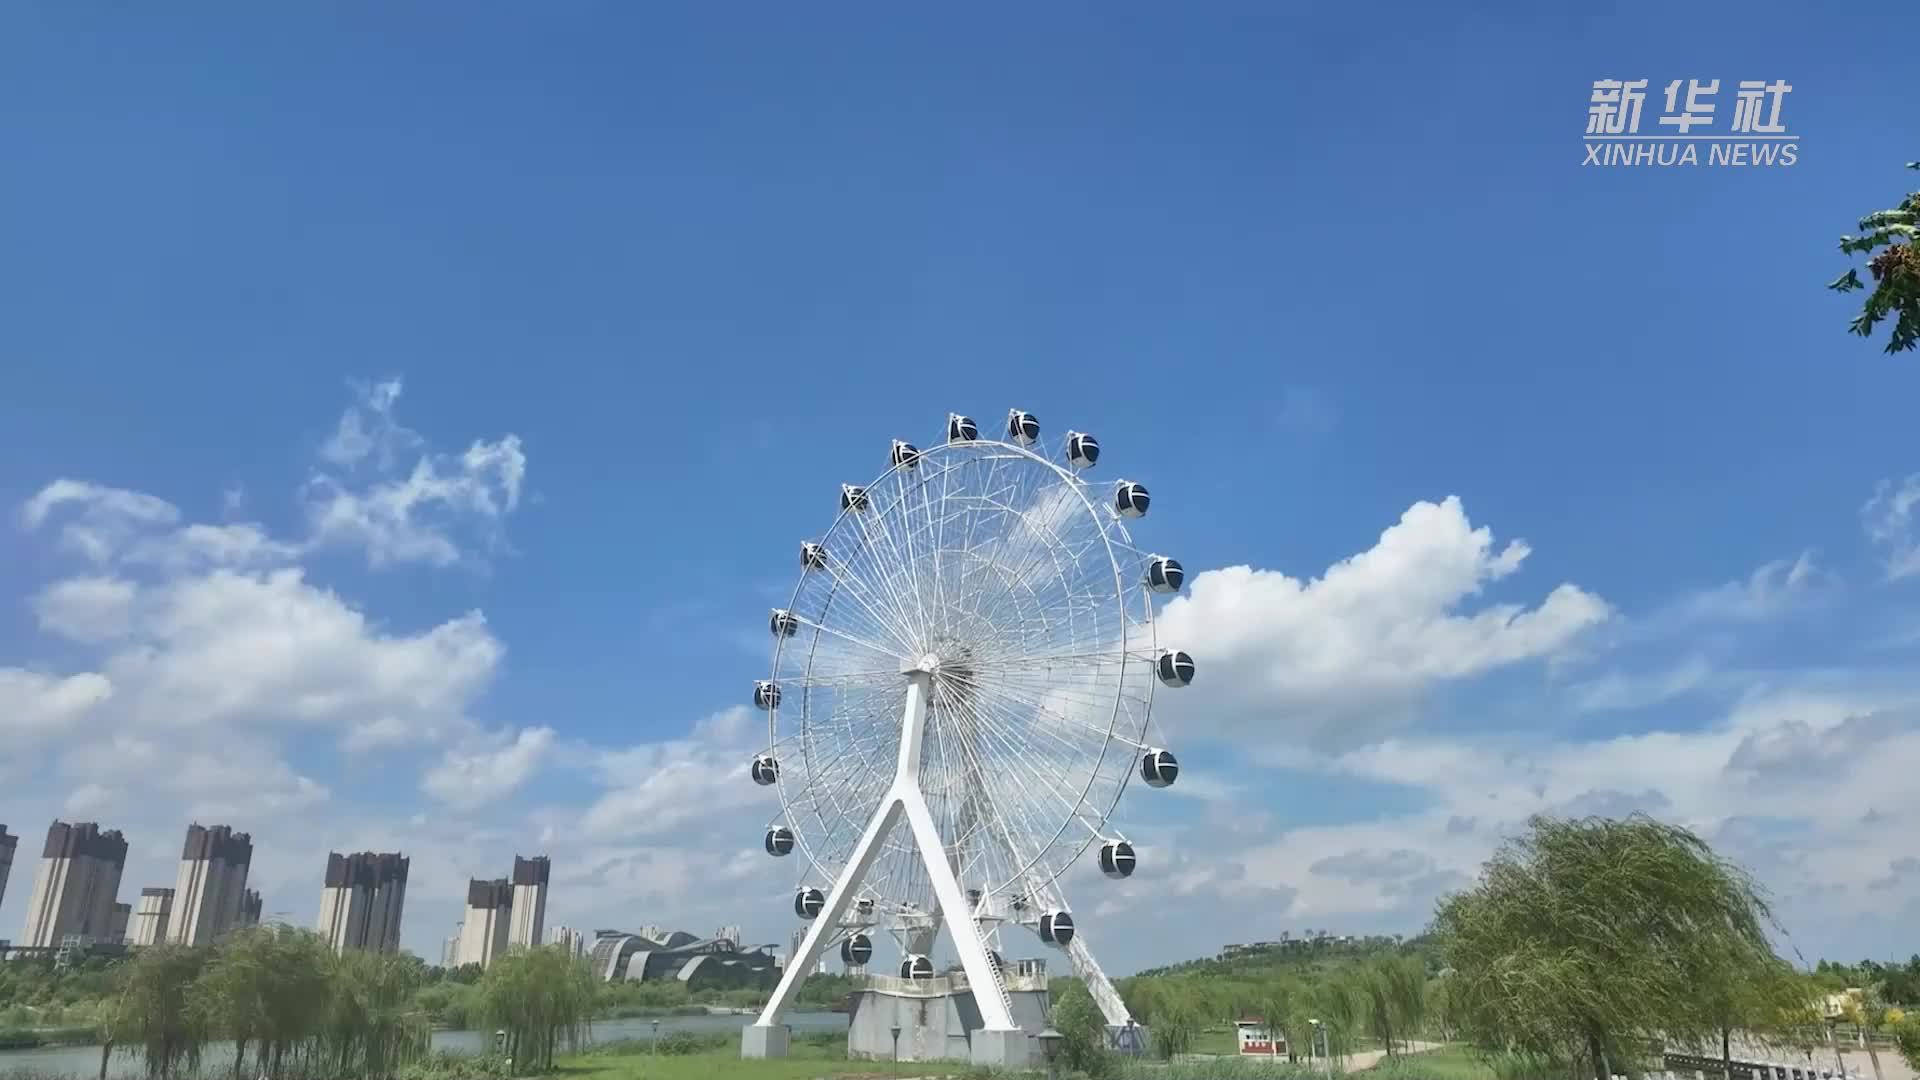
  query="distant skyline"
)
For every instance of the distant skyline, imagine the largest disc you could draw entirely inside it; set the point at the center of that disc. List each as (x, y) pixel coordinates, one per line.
(407, 424)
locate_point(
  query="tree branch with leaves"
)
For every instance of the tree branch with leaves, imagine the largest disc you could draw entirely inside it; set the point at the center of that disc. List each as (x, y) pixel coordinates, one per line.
(1895, 234)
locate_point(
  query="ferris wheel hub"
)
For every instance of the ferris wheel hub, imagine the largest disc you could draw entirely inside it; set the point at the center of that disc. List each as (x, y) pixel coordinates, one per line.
(925, 664)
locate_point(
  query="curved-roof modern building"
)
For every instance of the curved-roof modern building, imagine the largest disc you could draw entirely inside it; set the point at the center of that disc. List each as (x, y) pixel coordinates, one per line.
(701, 963)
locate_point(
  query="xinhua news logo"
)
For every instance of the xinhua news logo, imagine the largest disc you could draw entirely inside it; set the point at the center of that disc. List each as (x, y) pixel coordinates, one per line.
(1755, 134)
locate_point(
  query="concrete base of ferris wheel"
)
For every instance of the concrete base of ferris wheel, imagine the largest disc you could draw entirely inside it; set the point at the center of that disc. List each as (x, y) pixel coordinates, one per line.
(1000, 1049)
(763, 1041)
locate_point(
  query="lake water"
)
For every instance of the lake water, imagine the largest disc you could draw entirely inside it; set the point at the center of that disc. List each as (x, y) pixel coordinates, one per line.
(84, 1061)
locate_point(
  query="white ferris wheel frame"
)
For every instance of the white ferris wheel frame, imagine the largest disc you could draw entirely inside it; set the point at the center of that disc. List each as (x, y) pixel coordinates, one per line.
(904, 796)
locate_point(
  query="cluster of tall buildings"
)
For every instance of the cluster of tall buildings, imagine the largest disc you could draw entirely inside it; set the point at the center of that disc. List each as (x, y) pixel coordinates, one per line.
(501, 914)
(76, 889)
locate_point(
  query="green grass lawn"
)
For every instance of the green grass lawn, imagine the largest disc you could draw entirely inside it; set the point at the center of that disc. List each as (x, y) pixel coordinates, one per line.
(1454, 1062)
(805, 1060)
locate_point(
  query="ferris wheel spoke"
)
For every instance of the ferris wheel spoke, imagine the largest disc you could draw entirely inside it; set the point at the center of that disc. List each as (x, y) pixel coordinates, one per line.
(1015, 662)
(848, 638)
(880, 556)
(1021, 767)
(850, 586)
(1060, 719)
(1019, 849)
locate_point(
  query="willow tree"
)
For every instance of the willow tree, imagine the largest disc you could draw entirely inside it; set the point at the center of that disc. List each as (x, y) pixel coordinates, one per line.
(153, 1010)
(1895, 269)
(269, 989)
(543, 999)
(1585, 940)
(372, 1024)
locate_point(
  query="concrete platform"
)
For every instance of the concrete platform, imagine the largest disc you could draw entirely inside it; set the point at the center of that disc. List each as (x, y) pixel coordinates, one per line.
(768, 1041)
(999, 1049)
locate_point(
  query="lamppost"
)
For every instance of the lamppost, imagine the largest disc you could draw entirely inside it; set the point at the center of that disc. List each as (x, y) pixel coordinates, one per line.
(1050, 1041)
(896, 1045)
(656, 1038)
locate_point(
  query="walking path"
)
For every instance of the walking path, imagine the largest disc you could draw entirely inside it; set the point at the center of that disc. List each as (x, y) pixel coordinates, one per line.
(1365, 1059)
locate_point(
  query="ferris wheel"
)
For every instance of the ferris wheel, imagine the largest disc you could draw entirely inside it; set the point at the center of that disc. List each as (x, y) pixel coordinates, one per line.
(961, 690)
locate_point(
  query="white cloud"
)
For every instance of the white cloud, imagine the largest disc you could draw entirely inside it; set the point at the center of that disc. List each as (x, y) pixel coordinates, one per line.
(1888, 518)
(423, 514)
(33, 704)
(231, 646)
(659, 788)
(1769, 591)
(1328, 660)
(367, 428)
(100, 520)
(487, 768)
(87, 609)
(416, 519)
(1635, 690)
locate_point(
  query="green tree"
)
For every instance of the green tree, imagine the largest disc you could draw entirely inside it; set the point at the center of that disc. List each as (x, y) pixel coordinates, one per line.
(1084, 1029)
(1174, 1027)
(1906, 1036)
(372, 1026)
(156, 1012)
(1744, 986)
(233, 990)
(1584, 940)
(1895, 270)
(299, 996)
(543, 999)
(1281, 1011)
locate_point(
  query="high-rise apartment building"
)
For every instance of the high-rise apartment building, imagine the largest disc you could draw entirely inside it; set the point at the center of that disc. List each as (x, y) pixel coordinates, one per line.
(250, 905)
(529, 901)
(76, 884)
(489, 913)
(728, 933)
(117, 924)
(361, 904)
(211, 884)
(573, 941)
(150, 919)
(8, 842)
(450, 949)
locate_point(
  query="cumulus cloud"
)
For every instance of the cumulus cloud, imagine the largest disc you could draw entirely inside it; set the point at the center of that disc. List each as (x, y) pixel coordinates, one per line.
(422, 516)
(1327, 660)
(659, 788)
(99, 520)
(87, 609)
(33, 704)
(487, 768)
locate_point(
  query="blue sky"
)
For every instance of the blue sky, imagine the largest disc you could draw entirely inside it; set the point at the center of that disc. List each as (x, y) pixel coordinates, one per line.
(676, 275)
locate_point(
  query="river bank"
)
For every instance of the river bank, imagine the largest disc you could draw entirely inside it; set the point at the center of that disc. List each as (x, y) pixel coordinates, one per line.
(84, 1061)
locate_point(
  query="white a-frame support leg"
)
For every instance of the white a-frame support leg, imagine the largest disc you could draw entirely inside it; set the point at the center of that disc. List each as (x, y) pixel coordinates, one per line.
(765, 1037)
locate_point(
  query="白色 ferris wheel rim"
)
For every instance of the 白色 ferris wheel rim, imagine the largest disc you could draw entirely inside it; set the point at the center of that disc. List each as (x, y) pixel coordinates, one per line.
(803, 813)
